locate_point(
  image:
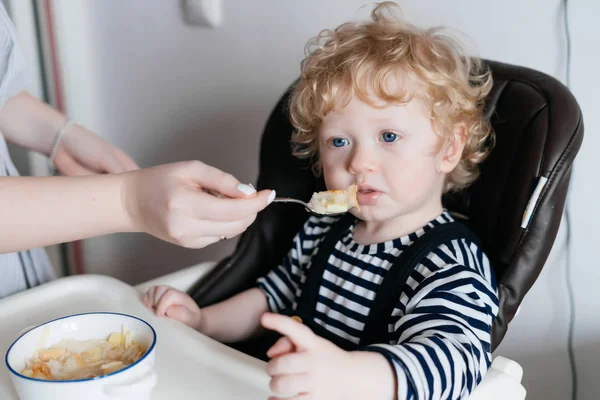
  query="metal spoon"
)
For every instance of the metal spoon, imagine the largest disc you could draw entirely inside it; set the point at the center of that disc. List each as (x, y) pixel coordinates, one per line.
(283, 200)
(306, 206)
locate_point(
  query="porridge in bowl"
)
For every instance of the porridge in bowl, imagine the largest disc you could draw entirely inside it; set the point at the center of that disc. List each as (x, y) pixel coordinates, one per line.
(72, 359)
(93, 356)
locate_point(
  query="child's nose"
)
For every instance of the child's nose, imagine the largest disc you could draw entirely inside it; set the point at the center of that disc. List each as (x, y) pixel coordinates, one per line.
(362, 160)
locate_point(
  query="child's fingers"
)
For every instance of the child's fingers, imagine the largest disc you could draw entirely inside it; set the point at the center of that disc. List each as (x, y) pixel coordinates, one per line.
(185, 300)
(282, 346)
(146, 301)
(170, 297)
(181, 313)
(167, 299)
(291, 363)
(155, 293)
(290, 384)
(300, 335)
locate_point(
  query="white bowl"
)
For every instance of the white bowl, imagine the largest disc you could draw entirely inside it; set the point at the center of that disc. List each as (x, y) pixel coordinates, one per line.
(134, 382)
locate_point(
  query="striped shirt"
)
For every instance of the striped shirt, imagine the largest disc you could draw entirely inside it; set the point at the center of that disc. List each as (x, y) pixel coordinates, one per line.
(440, 329)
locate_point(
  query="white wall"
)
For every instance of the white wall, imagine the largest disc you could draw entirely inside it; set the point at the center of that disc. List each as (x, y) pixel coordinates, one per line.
(584, 195)
(165, 91)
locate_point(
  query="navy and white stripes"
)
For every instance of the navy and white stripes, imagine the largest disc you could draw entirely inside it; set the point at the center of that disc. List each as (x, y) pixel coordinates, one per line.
(441, 325)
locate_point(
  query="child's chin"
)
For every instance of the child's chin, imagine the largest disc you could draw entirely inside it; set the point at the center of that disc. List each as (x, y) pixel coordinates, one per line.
(367, 214)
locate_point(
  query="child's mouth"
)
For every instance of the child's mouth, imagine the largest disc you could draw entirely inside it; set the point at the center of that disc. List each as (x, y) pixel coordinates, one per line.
(367, 196)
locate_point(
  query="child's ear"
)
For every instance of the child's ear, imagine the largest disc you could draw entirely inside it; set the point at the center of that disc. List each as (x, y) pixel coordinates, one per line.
(451, 151)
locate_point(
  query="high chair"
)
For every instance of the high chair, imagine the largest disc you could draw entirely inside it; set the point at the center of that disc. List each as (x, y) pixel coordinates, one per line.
(515, 206)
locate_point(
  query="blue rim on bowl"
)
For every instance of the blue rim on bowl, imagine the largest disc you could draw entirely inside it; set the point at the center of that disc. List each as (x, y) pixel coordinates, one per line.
(11, 369)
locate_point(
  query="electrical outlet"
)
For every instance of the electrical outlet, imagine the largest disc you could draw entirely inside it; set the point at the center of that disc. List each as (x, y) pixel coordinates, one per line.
(207, 13)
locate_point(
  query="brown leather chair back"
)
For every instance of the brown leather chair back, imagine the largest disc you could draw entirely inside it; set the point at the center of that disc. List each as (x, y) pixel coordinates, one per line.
(539, 130)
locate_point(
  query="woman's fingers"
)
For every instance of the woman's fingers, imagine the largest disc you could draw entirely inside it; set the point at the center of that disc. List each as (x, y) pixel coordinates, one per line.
(202, 205)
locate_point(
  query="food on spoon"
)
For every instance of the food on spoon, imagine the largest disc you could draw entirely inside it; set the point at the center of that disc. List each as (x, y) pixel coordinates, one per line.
(72, 359)
(334, 201)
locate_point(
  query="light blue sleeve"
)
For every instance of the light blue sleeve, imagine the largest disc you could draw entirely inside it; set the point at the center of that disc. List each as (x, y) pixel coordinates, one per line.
(14, 76)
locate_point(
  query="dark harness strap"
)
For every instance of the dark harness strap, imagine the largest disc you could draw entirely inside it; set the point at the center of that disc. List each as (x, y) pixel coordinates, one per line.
(309, 296)
(394, 282)
(388, 292)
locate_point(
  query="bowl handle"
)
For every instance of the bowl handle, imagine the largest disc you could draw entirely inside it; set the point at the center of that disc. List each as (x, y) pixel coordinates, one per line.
(137, 386)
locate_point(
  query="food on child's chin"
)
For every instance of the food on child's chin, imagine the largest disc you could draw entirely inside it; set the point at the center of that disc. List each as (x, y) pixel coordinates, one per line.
(334, 201)
(72, 359)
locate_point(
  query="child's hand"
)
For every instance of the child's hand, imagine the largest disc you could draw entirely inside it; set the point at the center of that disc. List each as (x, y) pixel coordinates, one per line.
(164, 300)
(306, 364)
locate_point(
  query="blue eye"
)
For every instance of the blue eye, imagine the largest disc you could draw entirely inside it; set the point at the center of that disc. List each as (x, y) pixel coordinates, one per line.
(389, 137)
(339, 142)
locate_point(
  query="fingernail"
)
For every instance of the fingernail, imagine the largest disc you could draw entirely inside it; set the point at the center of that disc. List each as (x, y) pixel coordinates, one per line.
(246, 189)
(271, 197)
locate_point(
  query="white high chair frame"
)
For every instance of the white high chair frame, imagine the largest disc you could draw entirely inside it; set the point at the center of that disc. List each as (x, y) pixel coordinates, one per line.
(502, 381)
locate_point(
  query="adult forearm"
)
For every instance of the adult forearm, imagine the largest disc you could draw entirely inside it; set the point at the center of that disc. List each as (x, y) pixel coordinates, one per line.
(30, 123)
(36, 212)
(235, 319)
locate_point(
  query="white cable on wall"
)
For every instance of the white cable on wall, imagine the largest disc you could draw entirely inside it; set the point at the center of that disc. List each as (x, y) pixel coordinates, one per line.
(569, 282)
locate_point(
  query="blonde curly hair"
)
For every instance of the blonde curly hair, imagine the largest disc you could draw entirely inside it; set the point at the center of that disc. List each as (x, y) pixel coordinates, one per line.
(359, 58)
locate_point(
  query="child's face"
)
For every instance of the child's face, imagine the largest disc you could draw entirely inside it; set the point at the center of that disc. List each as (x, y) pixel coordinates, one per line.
(391, 153)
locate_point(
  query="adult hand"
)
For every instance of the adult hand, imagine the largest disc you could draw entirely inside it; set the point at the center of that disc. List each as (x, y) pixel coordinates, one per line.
(170, 202)
(82, 152)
